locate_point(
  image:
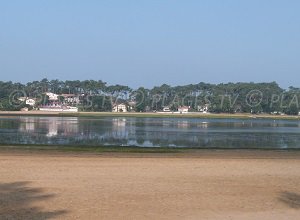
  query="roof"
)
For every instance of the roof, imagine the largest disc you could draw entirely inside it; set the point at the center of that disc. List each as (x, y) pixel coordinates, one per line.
(68, 95)
(119, 104)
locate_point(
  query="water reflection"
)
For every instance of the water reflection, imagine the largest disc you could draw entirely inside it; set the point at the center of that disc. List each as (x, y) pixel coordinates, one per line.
(203, 124)
(119, 129)
(27, 124)
(52, 129)
(149, 132)
(182, 124)
(54, 126)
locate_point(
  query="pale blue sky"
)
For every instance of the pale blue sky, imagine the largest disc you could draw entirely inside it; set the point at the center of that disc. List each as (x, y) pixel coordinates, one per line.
(151, 42)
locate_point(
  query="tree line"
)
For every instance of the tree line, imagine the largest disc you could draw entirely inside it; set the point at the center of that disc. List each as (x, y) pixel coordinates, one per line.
(220, 98)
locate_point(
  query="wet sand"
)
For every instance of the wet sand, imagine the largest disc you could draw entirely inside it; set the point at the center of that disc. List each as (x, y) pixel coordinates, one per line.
(205, 185)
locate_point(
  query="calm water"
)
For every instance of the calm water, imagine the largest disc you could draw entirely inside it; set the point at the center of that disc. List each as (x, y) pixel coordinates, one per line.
(151, 132)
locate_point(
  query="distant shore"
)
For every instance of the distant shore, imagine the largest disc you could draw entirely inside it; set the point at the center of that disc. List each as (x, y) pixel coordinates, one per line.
(150, 115)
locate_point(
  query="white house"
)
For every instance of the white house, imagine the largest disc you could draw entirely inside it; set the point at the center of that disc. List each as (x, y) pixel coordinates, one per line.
(71, 98)
(28, 101)
(203, 108)
(166, 109)
(119, 108)
(58, 108)
(277, 113)
(183, 109)
(52, 96)
(22, 99)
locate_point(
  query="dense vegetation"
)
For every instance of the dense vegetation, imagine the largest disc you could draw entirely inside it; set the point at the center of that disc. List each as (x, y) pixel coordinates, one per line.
(98, 96)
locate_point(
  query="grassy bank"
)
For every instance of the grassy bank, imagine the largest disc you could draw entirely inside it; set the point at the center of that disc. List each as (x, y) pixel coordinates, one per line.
(94, 149)
(150, 115)
(130, 149)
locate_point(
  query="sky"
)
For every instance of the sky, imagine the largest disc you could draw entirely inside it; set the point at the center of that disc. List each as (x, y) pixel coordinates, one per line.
(151, 42)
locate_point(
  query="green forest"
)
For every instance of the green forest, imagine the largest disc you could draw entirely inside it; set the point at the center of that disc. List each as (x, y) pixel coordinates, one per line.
(99, 96)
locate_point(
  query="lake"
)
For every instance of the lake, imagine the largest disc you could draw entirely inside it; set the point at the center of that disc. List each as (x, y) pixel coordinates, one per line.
(150, 132)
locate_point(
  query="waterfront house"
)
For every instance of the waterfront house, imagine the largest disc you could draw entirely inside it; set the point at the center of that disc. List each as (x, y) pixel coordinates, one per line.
(52, 96)
(166, 109)
(119, 108)
(203, 108)
(28, 101)
(183, 109)
(71, 98)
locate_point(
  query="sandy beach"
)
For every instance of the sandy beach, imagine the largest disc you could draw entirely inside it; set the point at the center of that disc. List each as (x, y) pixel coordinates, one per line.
(205, 185)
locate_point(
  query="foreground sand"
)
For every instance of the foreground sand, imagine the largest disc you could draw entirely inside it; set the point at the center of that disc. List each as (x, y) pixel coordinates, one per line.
(220, 185)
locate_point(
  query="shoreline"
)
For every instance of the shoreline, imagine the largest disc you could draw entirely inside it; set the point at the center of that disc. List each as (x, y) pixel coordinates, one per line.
(151, 115)
(65, 151)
